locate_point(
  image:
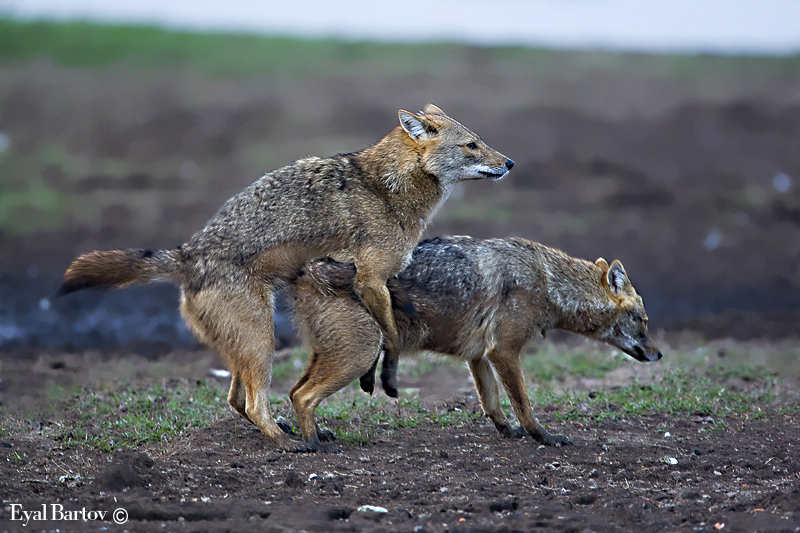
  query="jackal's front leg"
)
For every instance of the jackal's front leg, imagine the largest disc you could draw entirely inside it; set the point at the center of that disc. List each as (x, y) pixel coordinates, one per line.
(367, 381)
(483, 376)
(388, 375)
(506, 363)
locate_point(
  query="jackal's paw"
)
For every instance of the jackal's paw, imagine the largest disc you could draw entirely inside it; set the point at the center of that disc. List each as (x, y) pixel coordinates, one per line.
(314, 445)
(302, 448)
(367, 382)
(325, 435)
(389, 382)
(509, 432)
(289, 445)
(556, 440)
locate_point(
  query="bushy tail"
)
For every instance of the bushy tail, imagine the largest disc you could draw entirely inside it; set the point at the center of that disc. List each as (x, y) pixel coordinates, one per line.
(117, 268)
(334, 278)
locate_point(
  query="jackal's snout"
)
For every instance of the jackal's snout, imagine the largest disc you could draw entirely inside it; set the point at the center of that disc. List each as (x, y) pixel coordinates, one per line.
(634, 340)
(647, 356)
(493, 172)
(496, 173)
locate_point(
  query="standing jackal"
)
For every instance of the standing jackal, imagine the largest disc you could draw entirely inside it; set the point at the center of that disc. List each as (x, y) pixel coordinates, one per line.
(478, 300)
(369, 207)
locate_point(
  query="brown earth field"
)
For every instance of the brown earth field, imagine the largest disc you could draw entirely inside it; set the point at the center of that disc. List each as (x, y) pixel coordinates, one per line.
(428, 462)
(224, 478)
(689, 175)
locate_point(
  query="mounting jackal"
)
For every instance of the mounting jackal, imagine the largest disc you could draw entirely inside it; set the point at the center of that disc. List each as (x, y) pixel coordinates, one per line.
(369, 207)
(477, 300)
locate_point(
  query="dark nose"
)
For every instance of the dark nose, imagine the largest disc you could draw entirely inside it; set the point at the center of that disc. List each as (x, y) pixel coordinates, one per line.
(509, 164)
(660, 355)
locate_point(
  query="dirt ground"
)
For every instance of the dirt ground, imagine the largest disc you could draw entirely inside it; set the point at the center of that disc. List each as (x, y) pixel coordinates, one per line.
(618, 476)
(655, 473)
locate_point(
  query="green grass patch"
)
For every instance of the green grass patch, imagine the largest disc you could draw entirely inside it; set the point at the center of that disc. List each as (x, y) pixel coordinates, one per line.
(679, 392)
(742, 385)
(128, 416)
(358, 418)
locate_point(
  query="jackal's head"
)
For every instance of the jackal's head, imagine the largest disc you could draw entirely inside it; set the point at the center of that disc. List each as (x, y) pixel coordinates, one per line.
(451, 151)
(626, 327)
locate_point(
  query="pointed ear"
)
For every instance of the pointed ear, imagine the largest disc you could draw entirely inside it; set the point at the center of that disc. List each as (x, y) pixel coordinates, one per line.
(417, 127)
(431, 109)
(602, 264)
(616, 277)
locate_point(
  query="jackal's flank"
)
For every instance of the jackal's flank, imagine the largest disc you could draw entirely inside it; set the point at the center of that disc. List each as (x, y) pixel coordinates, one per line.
(478, 300)
(369, 207)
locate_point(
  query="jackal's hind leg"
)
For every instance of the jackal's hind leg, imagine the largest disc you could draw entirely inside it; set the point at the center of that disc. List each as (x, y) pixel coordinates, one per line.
(237, 321)
(237, 396)
(316, 384)
(330, 371)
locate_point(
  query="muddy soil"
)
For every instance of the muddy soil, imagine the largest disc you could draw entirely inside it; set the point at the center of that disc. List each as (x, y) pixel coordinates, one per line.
(625, 475)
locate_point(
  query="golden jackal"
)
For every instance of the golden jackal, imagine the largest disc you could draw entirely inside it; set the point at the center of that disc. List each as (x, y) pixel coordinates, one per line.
(369, 207)
(478, 300)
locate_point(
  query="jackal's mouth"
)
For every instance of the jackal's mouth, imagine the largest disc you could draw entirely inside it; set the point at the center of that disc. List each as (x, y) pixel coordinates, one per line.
(493, 174)
(482, 172)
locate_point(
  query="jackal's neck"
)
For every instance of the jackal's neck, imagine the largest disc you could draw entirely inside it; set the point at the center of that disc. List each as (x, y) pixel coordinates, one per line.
(576, 299)
(394, 166)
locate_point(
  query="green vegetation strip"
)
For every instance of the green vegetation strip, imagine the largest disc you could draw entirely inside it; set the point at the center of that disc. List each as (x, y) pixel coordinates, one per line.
(130, 416)
(80, 44)
(679, 393)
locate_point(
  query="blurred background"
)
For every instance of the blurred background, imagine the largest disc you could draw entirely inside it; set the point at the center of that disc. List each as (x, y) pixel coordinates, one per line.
(663, 134)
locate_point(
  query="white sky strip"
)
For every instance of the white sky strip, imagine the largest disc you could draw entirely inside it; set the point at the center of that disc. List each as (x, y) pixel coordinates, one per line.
(716, 26)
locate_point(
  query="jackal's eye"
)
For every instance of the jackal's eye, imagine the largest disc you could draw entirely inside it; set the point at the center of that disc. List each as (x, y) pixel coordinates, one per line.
(472, 146)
